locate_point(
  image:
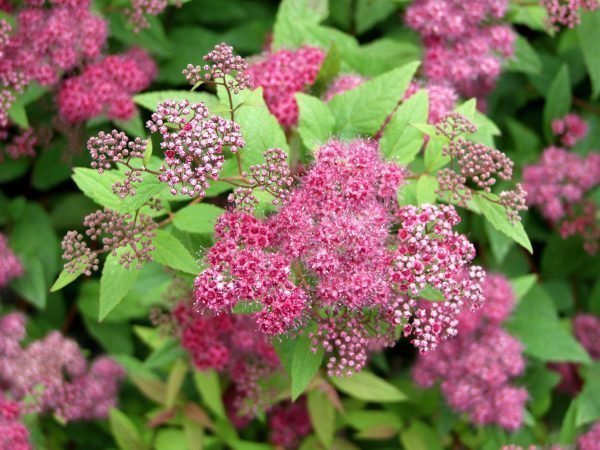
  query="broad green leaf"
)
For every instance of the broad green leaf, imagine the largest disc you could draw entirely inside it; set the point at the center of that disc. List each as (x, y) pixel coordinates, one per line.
(150, 100)
(568, 429)
(368, 13)
(125, 432)
(32, 284)
(525, 58)
(66, 278)
(305, 364)
(366, 386)
(170, 252)
(363, 110)
(558, 100)
(316, 121)
(536, 324)
(170, 439)
(364, 419)
(420, 436)
(18, 115)
(540, 382)
(588, 33)
(382, 55)
(115, 282)
(532, 15)
(426, 189)
(98, 186)
(400, 141)
(194, 434)
(330, 67)
(496, 215)
(430, 294)
(133, 126)
(200, 218)
(588, 400)
(175, 381)
(207, 383)
(152, 38)
(434, 156)
(522, 285)
(293, 18)
(144, 191)
(500, 244)
(322, 416)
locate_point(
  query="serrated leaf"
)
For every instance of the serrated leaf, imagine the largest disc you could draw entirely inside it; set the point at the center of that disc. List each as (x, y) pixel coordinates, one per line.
(322, 416)
(400, 141)
(150, 187)
(305, 364)
(496, 215)
(366, 386)
(125, 432)
(316, 122)
(98, 186)
(207, 383)
(293, 17)
(363, 110)
(65, 278)
(200, 218)
(115, 283)
(170, 252)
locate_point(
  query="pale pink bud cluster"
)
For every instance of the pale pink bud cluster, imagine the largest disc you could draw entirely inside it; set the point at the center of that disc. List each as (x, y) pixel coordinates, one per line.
(476, 369)
(570, 129)
(223, 65)
(139, 9)
(475, 164)
(464, 43)
(54, 375)
(281, 75)
(5, 30)
(113, 230)
(442, 98)
(21, 145)
(10, 266)
(106, 87)
(288, 424)
(273, 176)
(567, 12)
(329, 249)
(193, 141)
(341, 84)
(13, 434)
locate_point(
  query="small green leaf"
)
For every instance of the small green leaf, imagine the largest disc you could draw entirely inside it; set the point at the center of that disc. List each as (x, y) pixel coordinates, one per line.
(125, 432)
(199, 218)
(366, 386)
(558, 100)
(115, 283)
(66, 278)
(496, 215)
(175, 381)
(170, 252)
(148, 151)
(207, 383)
(322, 416)
(316, 121)
(431, 294)
(305, 365)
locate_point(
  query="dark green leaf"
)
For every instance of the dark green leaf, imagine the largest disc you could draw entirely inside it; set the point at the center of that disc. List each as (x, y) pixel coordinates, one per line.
(558, 100)
(305, 365)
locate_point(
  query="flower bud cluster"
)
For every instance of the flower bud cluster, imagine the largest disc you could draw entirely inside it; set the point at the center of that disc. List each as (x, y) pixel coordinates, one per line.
(567, 12)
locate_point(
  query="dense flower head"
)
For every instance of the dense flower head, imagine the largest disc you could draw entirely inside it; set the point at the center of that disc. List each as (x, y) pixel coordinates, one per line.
(570, 129)
(560, 179)
(587, 330)
(281, 75)
(329, 248)
(5, 30)
(566, 12)
(21, 145)
(193, 141)
(54, 374)
(10, 266)
(476, 368)
(463, 45)
(343, 83)
(13, 434)
(288, 424)
(591, 439)
(114, 231)
(106, 87)
(224, 64)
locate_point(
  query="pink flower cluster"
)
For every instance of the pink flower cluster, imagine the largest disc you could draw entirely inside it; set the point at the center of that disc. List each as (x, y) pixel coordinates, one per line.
(281, 75)
(464, 44)
(21, 145)
(55, 375)
(476, 368)
(288, 424)
(587, 330)
(329, 248)
(193, 141)
(442, 98)
(591, 439)
(10, 266)
(13, 434)
(570, 129)
(557, 185)
(106, 87)
(229, 343)
(48, 42)
(566, 12)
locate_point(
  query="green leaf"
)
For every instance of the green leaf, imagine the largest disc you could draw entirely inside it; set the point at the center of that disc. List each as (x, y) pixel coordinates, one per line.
(125, 432)
(199, 218)
(433, 295)
(147, 189)
(525, 58)
(170, 439)
(98, 186)
(588, 400)
(400, 141)
(316, 122)
(32, 285)
(370, 12)
(152, 38)
(588, 33)
(322, 416)
(533, 16)
(148, 151)
(426, 189)
(363, 110)
(305, 364)
(207, 383)
(115, 283)
(366, 386)
(536, 324)
(500, 244)
(558, 100)
(194, 434)
(330, 67)
(66, 278)
(133, 126)
(18, 115)
(175, 381)
(170, 252)
(568, 430)
(293, 17)
(522, 285)
(364, 419)
(420, 436)
(434, 156)
(150, 100)
(496, 215)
